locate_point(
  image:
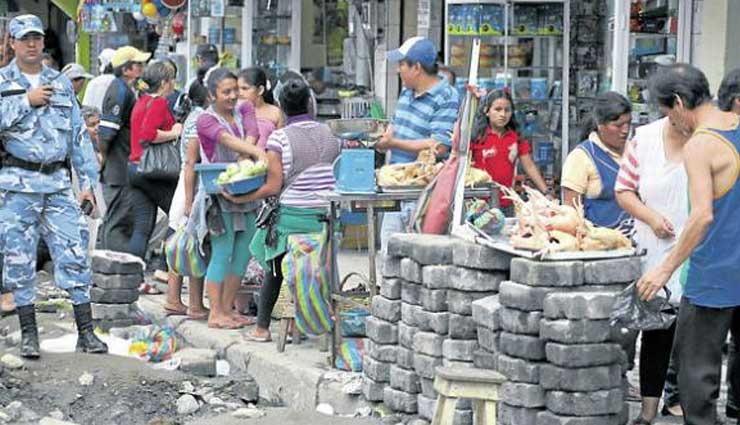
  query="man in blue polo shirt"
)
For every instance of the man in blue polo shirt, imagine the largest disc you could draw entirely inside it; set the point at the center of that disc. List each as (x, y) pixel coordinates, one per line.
(425, 115)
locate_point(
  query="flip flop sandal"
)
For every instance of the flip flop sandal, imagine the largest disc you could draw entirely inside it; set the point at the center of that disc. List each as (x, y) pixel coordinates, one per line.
(250, 337)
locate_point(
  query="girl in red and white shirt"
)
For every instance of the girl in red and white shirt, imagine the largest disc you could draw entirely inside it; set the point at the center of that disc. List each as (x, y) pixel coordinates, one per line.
(497, 145)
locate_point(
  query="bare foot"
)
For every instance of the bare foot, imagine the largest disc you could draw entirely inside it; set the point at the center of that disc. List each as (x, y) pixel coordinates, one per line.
(244, 320)
(198, 313)
(175, 309)
(223, 322)
(675, 410)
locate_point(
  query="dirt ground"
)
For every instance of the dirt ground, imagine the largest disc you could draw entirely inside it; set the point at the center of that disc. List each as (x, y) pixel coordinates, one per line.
(124, 390)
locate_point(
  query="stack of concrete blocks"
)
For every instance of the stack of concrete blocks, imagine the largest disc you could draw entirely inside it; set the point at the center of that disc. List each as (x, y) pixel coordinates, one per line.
(433, 280)
(382, 333)
(548, 333)
(116, 279)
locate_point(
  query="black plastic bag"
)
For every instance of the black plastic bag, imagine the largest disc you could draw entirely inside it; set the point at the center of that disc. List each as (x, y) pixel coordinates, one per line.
(631, 312)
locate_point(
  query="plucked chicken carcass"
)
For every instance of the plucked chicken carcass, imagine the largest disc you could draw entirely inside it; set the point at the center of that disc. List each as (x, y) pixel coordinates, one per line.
(476, 177)
(418, 173)
(594, 238)
(545, 225)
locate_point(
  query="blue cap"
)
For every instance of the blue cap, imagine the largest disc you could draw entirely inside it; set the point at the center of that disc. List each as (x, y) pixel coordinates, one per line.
(415, 49)
(25, 24)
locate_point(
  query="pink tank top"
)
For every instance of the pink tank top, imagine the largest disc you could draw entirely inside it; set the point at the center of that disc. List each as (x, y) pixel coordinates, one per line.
(266, 127)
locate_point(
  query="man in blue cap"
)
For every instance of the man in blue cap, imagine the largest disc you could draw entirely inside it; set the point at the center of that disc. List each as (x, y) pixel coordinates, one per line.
(44, 137)
(425, 115)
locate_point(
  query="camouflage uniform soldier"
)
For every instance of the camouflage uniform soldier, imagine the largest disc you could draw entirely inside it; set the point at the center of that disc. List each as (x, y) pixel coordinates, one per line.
(43, 133)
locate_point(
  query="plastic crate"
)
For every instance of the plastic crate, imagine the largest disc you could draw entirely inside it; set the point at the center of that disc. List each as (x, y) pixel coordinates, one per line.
(241, 187)
(208, 174)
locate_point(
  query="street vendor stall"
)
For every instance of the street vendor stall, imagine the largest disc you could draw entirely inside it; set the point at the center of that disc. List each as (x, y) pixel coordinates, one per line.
(362, 187)
(373, 203)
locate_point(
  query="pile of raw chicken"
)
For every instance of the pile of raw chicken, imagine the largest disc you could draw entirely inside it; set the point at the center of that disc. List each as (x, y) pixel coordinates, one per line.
(418, 173)
(546, 226)
(422, 172)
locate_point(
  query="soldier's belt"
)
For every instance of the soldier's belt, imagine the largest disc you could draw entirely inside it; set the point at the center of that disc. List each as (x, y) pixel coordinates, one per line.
(45, 168)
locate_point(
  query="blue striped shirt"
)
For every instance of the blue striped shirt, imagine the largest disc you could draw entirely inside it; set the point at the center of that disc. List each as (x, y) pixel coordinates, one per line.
(430, 115)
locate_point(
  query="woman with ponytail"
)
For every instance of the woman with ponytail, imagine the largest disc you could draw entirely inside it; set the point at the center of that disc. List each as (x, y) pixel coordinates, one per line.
(223, 135)
(254, 87)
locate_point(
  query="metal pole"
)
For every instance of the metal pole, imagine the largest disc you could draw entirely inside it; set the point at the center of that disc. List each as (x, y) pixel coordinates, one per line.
(371, 248)
(189, 38)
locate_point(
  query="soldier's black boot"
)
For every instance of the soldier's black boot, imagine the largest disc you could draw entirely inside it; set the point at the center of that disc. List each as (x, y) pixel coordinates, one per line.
(87, 342)
(29, 333)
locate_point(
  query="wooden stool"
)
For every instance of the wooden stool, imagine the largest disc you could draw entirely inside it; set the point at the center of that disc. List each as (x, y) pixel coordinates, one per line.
(283, 330)
(285, 311)
(481, 386)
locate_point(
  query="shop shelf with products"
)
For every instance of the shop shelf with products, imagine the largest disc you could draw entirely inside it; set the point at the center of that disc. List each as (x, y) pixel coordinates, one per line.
(647, 35)
(272, 31)
(221, 27)
(524, 48)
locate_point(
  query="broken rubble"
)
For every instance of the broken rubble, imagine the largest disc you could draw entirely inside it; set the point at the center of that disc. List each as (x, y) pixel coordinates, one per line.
(54, 421)
(247, 413)
(325, 409)
(11, 362)
(86, 379)
(187, 404)
(197, 361)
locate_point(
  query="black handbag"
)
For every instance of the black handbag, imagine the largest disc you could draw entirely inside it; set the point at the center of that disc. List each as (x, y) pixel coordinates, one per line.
(160, 161)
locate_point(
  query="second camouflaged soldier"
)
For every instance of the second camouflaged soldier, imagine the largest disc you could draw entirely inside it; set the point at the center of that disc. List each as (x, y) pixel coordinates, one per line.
(44, 137)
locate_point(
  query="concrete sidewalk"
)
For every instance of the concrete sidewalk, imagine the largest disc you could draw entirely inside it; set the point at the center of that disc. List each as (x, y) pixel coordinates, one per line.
(299, 378)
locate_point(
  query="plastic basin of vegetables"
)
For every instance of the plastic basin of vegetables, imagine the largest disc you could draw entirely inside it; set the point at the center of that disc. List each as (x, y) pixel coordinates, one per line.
(208, 174)
(244, 186)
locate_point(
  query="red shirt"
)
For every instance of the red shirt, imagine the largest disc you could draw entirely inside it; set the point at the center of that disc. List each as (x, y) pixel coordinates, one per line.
(497, 155)
(146, 118)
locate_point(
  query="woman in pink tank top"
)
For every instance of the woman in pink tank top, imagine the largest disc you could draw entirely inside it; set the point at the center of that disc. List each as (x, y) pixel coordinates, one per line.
(254, 87)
